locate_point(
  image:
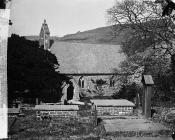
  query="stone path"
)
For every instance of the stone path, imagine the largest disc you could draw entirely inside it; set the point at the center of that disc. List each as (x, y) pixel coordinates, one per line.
(141, 138)
(135, 128)
(132, 124)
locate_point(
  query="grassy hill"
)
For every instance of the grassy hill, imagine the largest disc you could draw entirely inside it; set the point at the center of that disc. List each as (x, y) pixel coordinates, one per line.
(35, 37)
(102, 35)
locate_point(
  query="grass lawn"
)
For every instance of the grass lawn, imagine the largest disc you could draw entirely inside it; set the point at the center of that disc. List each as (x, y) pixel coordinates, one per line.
(30, 127)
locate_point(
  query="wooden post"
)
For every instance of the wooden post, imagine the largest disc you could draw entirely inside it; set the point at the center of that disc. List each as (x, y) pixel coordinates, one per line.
(143, 101)
(137, 101)
(147, 93)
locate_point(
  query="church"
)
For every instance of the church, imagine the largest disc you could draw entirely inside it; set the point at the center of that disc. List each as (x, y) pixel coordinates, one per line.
(84, 62)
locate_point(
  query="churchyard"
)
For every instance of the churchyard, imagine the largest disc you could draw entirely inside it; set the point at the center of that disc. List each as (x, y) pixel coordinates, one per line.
(87, 122)
(62, 124)
(82, 64)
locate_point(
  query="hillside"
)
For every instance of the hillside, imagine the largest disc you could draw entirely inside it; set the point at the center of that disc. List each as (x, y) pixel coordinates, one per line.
(32, 37)
(35, 37)
(103, 35)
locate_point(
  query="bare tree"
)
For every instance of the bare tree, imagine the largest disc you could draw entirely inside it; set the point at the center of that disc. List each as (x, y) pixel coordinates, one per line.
(146, 25)
(150, 39)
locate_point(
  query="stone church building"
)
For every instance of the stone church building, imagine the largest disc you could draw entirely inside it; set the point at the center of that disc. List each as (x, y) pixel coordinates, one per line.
(84, 61)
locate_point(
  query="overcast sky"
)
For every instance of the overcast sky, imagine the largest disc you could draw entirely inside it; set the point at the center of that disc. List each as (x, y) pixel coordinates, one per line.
(63, 16)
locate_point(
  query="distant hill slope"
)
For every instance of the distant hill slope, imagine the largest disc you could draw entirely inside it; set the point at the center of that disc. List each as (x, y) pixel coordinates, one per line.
(103, 35)
(35, 37)
(32, 37)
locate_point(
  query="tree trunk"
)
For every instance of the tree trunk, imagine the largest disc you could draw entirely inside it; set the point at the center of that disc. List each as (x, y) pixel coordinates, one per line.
(173, 70)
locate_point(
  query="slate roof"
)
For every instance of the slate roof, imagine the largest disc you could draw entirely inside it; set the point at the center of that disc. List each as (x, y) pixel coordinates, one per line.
(56, 107)
(112, 102)
(86, 58)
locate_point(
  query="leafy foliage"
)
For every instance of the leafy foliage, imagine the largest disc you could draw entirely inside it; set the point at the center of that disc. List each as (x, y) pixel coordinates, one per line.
(128, 92)
(149, 47)
(147, 26)
(31, 69)
(99, 83)
(2, 4)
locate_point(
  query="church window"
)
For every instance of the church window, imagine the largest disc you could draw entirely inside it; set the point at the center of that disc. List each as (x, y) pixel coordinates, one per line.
(112, 83)
(82, 83)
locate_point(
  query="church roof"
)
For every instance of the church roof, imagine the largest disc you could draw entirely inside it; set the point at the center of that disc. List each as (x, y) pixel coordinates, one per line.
(86, 58)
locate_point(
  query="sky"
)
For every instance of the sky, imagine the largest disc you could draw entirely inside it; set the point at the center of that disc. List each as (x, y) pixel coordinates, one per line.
(62, 16)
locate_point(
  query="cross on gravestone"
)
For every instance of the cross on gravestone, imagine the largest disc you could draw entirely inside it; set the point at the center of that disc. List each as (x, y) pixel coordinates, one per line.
(147, 93)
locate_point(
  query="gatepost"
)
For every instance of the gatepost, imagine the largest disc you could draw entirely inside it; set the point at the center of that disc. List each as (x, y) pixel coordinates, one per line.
(147, 94)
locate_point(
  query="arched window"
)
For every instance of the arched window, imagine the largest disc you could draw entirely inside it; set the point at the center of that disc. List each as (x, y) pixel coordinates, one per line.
(81, 82)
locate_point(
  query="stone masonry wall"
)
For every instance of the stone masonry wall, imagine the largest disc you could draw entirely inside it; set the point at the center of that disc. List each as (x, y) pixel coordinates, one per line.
(60, 113)
(114, 110)
(86, 116)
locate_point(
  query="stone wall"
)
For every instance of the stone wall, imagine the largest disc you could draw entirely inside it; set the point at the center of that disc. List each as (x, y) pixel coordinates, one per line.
(114, 110)
(57, 113)
(87, 115)
(81, 115)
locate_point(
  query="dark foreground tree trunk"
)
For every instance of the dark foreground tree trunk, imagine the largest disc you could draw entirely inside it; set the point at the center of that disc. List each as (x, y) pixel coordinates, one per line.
(173, 68)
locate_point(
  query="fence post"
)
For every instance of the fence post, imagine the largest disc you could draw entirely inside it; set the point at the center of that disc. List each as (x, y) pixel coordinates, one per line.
(147, 94)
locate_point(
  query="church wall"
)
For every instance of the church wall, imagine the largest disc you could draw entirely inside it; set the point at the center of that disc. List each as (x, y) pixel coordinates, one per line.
(59, 112)
(90, 86)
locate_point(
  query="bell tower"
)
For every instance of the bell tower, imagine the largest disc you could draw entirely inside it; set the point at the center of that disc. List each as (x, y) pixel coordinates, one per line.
(44, 37)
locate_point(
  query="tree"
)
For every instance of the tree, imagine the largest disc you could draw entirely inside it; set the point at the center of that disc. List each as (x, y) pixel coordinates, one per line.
(128, 92)
(99, 83)
(32, 69)
(2, 4)
(149, 43)
(145, 25)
